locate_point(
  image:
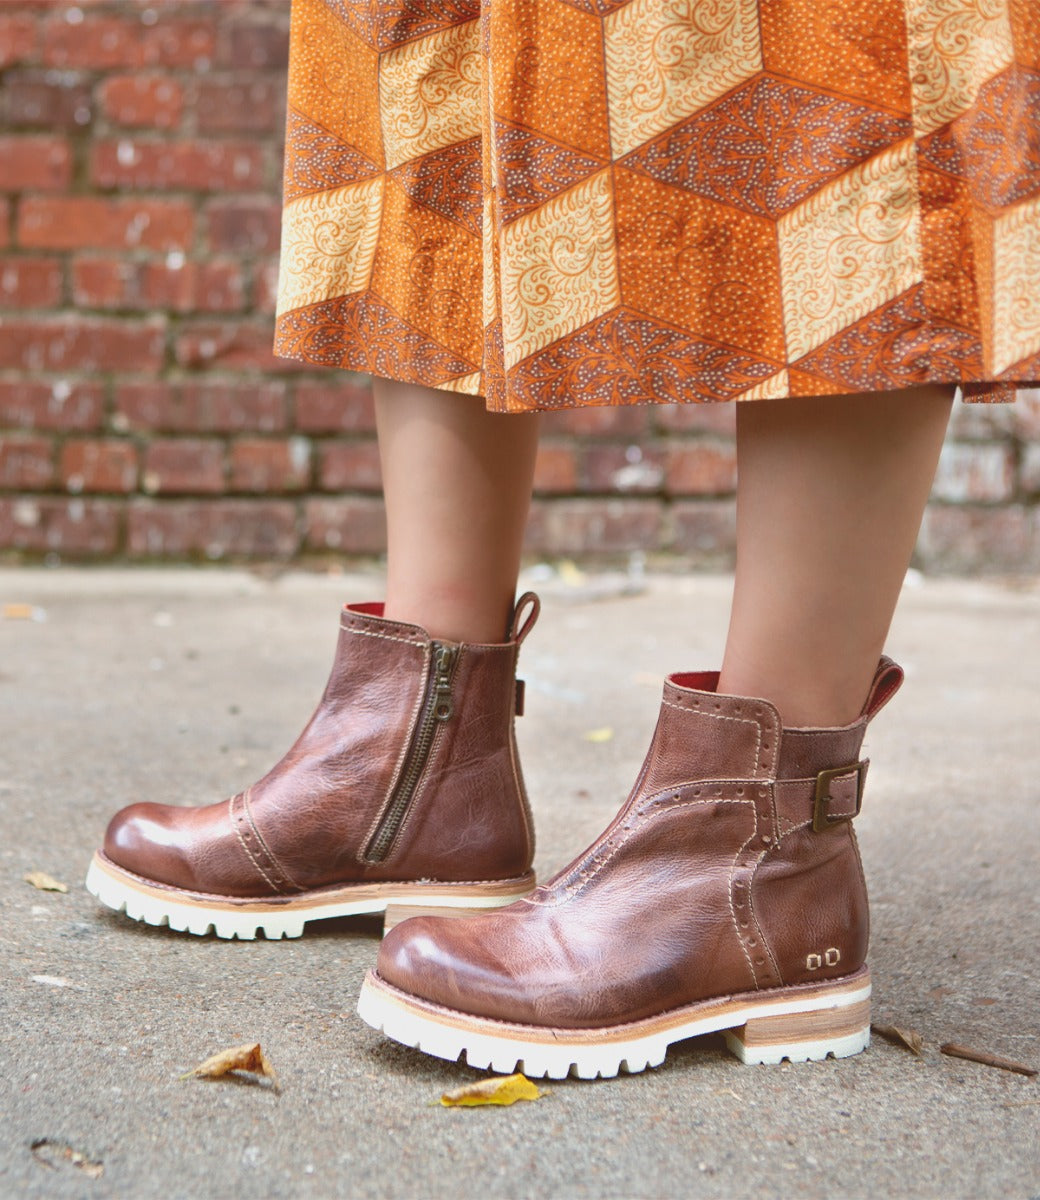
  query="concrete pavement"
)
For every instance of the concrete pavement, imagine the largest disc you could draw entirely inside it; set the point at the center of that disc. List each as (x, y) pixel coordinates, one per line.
(183, 685)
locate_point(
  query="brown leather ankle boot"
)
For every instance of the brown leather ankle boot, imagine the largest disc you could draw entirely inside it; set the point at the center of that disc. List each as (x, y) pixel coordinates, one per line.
(403, 791)
(726, 895)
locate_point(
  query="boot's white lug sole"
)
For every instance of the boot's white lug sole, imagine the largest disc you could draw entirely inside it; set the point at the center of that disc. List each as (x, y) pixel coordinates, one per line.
(802, 1023)
(807, 1051)
(228, 917)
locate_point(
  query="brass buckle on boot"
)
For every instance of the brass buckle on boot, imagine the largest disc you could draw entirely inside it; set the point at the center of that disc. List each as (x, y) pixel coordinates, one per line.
(822, 818)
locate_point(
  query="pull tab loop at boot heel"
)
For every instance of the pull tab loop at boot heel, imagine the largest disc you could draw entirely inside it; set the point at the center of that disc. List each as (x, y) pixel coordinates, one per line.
(803, 1037)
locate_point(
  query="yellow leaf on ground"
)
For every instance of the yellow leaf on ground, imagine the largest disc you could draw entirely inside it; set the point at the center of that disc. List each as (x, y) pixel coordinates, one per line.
(600, 735)
(239, 1058)
(506, 1089)
(45, 882)
(570, 573)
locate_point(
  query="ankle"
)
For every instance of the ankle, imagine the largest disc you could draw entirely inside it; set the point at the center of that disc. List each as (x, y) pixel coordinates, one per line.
(453, 616)
(810, 703)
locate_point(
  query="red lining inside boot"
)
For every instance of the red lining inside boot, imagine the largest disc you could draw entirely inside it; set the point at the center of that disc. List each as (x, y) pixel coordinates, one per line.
(701, 681)
(371, 608)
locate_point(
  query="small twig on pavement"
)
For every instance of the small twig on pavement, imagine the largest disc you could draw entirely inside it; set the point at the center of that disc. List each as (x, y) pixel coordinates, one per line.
(987, 1060)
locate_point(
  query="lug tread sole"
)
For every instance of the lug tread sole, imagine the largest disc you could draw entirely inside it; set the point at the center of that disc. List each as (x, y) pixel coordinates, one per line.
(230, 917)
(802, 1023)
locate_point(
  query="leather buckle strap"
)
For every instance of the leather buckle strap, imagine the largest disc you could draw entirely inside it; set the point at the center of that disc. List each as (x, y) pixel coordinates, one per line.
(839, 795)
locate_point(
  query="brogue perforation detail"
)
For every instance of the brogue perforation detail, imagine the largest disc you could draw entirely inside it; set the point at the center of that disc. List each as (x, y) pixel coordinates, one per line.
(411, 640)
(774, 977)
(694, 709)
(757, 953)
(636, 819)
(253, 844)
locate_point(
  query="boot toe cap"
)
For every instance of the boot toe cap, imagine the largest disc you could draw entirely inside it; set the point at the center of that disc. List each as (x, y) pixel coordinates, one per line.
(144, 840)
(448, 961)
(413, 957)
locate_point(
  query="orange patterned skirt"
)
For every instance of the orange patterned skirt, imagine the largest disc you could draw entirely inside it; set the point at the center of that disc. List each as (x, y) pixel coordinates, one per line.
(557, 203)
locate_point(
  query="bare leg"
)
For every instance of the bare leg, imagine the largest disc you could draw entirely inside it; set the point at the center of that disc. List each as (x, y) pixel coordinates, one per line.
(830, 498)
(457, 481)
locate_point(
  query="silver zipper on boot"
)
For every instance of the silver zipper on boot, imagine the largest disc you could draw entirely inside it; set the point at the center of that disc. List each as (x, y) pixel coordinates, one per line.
(437, 708)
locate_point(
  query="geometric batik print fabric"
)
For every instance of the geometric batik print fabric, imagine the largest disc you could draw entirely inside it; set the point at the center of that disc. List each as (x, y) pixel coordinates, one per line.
(558, 203)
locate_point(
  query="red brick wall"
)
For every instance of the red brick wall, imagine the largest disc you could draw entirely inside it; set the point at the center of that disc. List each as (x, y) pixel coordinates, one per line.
(142, 414)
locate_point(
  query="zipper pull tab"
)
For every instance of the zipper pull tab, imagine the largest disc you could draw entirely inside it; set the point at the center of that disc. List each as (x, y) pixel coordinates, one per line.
(443, 705)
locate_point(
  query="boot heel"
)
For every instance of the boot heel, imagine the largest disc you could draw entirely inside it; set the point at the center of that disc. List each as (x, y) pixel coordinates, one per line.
(803, 1037)
(396, 913)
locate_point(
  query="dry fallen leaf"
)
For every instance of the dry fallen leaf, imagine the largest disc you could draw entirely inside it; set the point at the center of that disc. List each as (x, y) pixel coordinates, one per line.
(50, 1154)
(44, 882)
(248, 1058)
(506, 1089)
(23, 612)
(909, 1038)
(599, 735)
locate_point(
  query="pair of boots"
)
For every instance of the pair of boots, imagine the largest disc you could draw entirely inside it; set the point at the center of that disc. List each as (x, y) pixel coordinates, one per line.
(727, 894)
